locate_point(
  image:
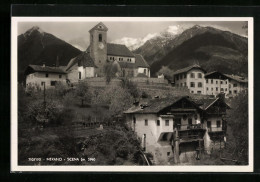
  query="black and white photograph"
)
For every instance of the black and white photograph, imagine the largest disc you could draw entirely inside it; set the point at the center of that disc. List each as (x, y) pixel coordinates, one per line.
(132, 94)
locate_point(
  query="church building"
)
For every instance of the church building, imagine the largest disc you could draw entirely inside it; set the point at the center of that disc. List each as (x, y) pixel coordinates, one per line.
(91, 63)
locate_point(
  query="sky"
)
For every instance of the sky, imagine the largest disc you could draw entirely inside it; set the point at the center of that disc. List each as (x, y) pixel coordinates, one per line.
(76, 33)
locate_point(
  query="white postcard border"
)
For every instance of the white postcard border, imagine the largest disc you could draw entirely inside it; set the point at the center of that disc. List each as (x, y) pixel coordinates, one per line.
(14, 107)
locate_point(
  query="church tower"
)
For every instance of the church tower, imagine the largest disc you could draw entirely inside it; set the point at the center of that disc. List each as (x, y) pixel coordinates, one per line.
(98, 46)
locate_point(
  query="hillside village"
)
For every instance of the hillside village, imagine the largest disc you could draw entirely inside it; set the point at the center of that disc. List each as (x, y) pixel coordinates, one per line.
(176, 119)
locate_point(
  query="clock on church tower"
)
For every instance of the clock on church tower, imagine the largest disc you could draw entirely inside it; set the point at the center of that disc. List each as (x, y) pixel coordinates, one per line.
(98, 46)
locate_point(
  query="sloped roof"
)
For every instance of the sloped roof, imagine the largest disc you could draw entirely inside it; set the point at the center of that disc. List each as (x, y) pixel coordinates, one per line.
(237, 78)
(82, 59)
(96, 27)
(154, 105)
(140, 61)
(184, 70)
(118, 50)
(205, 101)
(46, 69)
(215, 75)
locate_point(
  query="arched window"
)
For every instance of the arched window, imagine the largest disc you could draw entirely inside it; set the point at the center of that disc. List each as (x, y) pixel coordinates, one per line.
(79, 75)
(100, 37)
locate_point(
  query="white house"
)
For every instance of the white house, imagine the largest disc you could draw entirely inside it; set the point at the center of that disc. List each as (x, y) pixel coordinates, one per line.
(191, 77)
(37, 76)
(160, 123)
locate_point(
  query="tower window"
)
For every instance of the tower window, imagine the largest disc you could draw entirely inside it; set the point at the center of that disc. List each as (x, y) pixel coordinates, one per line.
(100, 37)
(79, 75)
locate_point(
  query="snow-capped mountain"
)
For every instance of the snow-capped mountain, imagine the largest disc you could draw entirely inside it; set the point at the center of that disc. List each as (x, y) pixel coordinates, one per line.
(161, 37)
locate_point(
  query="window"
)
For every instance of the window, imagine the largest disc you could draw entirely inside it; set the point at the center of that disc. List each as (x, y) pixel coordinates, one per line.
(229, 85)
(79, 75)
(230, 92)
(216, 82)
(235, 91)
(168, 153)
(226, 82)
(146, 122)
(199, 84)
(185, 84)
(225, 89)
(192, 75)
(199, 75)
(218, 124)
(192, 84)
(158, 122)
(216, 88)
(42, 83)
(166, 122)
(207, 80)
(100, 37)
(46, 75)
(192, 91)
(221, 82)
(199, 92)
(190, 121)
(235, 85)
(207, 88)
(211, 81)
(53, 83)
(145, 71)
(184, 76)
(60, 76)
(208, 124)
(222, 89)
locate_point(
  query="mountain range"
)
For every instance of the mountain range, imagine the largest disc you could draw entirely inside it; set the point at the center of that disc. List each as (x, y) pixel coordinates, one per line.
(212, 48)
(38, 47)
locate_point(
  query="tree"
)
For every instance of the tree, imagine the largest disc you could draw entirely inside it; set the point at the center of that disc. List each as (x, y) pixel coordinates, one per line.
(237, 118)
(110, 70)
(130, 87)
(167, 72)
(82, 91)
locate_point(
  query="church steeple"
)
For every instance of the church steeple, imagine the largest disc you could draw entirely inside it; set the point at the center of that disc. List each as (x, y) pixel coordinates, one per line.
(98, 46)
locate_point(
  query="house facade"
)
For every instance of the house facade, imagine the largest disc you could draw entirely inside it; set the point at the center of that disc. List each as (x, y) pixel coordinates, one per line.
(173, 129)
(199, 81)
(191, 77)
(39, 76)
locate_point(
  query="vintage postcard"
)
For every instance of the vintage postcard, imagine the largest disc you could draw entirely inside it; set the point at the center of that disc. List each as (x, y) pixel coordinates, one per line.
(132, 94)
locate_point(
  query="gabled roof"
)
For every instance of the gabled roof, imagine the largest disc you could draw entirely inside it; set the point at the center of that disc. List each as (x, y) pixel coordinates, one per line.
(140, 61)
(82, 59)
(99, 26)
(154, 106)
(215, 75)
(237, 78)
(206, 101)
(185, 70)
(45, 69)
(118, 50)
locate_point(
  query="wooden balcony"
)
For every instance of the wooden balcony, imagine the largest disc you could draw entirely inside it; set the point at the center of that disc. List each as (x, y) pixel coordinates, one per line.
(190, 133)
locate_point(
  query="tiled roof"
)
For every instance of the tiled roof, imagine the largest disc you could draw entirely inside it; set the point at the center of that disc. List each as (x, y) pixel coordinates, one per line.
(184, 70)
(237, 78)
(154, 105)
(118, 50)
(215, 75)
(47, 69)
(140, 61)
(205, 101)
(82, 59)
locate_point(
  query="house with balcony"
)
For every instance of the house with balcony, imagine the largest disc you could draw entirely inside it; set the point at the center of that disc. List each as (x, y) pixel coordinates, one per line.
(175, 128)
